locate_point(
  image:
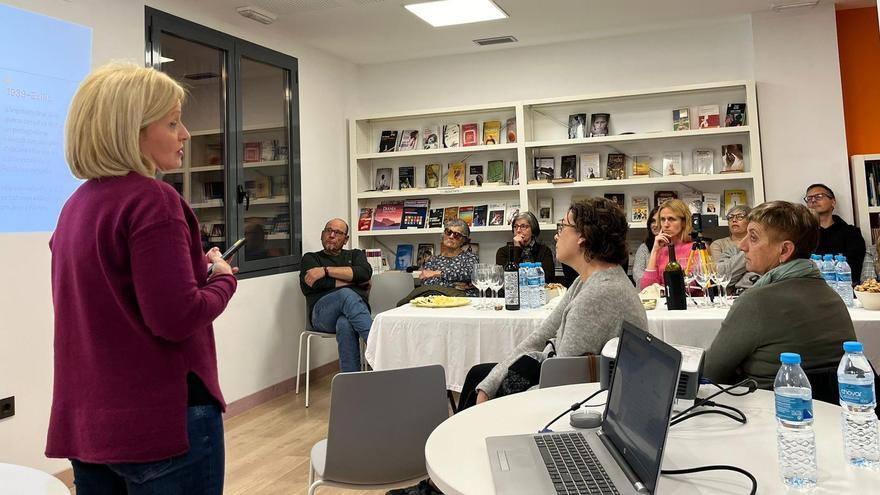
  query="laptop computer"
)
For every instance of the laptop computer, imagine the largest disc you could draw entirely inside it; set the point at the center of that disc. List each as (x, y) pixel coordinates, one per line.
(623, 456)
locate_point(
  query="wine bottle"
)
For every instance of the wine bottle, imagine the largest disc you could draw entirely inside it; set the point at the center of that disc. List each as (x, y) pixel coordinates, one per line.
(673, 279)
(511, 282)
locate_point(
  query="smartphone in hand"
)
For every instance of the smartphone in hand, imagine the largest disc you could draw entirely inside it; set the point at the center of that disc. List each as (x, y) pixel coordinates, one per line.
(229, 253)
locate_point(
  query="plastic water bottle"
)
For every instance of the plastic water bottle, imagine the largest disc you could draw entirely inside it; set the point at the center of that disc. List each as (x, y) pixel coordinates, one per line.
(855, 380)
(795, 439)
(844, 280)
(525, 300)
(829, 271)
(815, 258)
(536, 285)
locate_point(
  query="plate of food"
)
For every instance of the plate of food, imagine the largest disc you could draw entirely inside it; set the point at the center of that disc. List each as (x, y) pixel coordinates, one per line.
(868, 293)
(439, 302)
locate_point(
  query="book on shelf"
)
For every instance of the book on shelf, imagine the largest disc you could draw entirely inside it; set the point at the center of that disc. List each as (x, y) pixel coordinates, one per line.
(544, 168)
(496, 214)
(577, 126)
(426, 250)
(545, 210)
(213, 154)
(680, 120)
(492, 132)
(466, 215)
(406, 177)
(513, 173)
(435, 218)
(217, 229)
(470, 134)
(568, 167)
(734, 197)
(732, 158)
(694, 201)
(561, 180)
(268, 150)
(510, 130)
(736, 115)
(599, 124)
(409, 140)
(281, 152)
(661, 197)
(450, 136)
(711, 203)
(590, 167)
(252, 152)
(404, 257)
(432, 175)
(512, 212)
(481, 213)
(383, 179)
(365, 219)
(616, 166)
(708, 116)
(374, 258)
(475, 175)
(672, 163)
(388, 216)
(495, 172)
(415, 212)
(641, 205)
(281, 184)
(450, 213)
(641, 165)
(388, 141)
(430, 138)
(455, 174)
(703, 162)
(618, 198)
(281, 223)
(263, 187)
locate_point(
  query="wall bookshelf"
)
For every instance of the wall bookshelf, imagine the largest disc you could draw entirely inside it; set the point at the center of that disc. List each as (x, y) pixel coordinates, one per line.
(866, 195)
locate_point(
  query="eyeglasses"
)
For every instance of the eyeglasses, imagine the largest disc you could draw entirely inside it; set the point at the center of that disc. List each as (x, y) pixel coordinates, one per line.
(455, 235)
(739, 217)
(812, 198)
(562, 225)
(522, 226)
(337, 233)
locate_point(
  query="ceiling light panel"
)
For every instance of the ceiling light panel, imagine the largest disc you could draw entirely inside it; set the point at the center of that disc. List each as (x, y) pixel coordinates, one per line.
(452, 12)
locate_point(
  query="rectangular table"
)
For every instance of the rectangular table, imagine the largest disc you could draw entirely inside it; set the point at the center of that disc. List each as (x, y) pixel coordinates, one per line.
(459, 338)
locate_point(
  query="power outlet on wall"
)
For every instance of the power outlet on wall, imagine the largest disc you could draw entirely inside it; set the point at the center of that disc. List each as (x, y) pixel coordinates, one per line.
(7, 407)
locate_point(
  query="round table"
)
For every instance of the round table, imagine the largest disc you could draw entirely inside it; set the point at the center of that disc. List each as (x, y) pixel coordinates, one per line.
(458, 462)
(24, 480)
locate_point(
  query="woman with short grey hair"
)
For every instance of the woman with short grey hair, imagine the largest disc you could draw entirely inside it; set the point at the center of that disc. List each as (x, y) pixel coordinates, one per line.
(454, 266)
(526, 247)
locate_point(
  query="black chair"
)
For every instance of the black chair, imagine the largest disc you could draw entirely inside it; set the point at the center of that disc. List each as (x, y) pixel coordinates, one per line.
(824, 384)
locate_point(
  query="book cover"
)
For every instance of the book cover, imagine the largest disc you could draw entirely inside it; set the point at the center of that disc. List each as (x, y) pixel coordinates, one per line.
(734, 197)
(470, 134)
(496, 213)
(406, 177)
(492, 132)
(694, 201)
(672, 164)
(413, 217)
(374, 258)
(708, 116)
(435, 218)
(466, 215)
(680, 120)
(641, 165)
(383, 179)
(388, 216)
(430, 138)
(513, 173)
(388, 141)
(263, 187)
(481, 214)
(281, 184)
(736, 115)
(703, 162)
(404, 257)
(450, 136)
(495, 171)
(365, 219)
(661, 197)
(432, 175)
(512, 212)
(475, 175)
(577, 126)
(641, 206)
(425, 251)
(545, 210)
(455, 174)
(732, 158)
(544, 168)
(568, 167)
(510, 130)
(618, 198)
(616, 166)
(590, 168)
(599, 124)
(215, 189)
(711, 203)
(409, 140)
(268, 150)
(252, 152)
(450, 213)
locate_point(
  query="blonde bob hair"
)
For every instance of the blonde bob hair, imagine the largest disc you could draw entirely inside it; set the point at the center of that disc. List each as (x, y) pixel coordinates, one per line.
(681, 210)
(109, 110)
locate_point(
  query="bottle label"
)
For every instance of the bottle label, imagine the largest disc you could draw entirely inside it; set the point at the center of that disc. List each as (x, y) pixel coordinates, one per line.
(857, 394)
(793, 408)
(511, 288)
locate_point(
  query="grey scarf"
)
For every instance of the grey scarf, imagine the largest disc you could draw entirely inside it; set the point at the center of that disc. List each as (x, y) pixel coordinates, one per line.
(799, 268)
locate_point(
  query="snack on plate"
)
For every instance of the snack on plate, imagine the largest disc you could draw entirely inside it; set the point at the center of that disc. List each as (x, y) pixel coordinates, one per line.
(650, 292)
(869, 285)
(554, 290)
(439, 301)
(649, 304)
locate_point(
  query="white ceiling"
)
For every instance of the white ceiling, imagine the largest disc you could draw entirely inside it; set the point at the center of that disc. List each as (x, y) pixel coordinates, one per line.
(376, 31)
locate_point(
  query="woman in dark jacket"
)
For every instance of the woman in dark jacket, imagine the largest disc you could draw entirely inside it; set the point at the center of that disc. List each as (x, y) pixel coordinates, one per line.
(527, 247)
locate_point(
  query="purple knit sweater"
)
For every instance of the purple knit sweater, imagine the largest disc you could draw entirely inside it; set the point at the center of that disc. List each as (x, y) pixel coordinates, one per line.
(133, 313)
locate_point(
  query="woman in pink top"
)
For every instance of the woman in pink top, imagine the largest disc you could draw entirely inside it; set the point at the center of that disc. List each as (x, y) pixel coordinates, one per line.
(675, 228)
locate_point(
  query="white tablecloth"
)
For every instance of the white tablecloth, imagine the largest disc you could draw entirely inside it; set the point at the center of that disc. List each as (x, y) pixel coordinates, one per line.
(459, 338)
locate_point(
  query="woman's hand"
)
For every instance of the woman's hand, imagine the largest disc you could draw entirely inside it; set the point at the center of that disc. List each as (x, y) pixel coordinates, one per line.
(221, 267)
(426, 274)
(481, 397)
(661, 240)
(518, 240)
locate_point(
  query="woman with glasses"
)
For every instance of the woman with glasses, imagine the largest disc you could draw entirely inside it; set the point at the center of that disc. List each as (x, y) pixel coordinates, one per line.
(644, 251)
(454, 266)
(674, 218)
(526, 246)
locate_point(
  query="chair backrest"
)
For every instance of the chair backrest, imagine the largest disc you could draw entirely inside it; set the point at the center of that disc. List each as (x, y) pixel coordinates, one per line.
(380, 421)
(823, 381)
(388, 288)
(568, 370)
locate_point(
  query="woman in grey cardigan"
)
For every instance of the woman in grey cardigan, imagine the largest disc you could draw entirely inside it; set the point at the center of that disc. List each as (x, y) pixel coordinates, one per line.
(592, 240)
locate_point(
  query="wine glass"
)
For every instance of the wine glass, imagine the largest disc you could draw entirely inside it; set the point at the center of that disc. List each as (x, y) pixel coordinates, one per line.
(496, 280)
(722, 278)
(480, 279)
(703, 272)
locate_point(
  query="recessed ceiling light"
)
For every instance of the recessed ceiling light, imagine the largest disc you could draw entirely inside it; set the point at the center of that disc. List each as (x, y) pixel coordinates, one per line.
(451, 12)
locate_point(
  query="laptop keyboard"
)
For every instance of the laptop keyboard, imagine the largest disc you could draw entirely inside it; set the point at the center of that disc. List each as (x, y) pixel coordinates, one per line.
(572, 465)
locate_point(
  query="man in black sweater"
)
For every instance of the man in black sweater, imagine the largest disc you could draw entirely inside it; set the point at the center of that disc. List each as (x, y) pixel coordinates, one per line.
(335, 282)
(835, 235)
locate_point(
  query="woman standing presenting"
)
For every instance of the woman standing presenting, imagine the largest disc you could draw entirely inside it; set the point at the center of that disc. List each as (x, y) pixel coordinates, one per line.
(136, 405)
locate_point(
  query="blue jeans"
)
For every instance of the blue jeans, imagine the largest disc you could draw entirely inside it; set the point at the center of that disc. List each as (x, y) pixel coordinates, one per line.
(344, 313)
(199, 471)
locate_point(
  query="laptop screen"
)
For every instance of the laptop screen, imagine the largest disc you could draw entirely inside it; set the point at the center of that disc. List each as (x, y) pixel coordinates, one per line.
(646, 373)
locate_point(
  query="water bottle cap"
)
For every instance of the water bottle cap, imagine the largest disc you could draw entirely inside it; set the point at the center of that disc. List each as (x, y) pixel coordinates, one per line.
(828, 257)
(790, 358)
(815, 256)
(841, 257)
(853, 346)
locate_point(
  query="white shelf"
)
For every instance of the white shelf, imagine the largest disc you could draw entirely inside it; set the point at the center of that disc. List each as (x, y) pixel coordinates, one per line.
(436, 191)
(441, 151)
(647, 181)
(247, 128)
(213, 203)
(646, 136)
(206, 168)
(874, 209)
(434, 230)
(269, 201)
(270, 163)
(277, 237)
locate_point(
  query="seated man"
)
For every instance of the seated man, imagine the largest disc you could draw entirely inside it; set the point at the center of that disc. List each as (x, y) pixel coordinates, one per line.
(789, 309)
(835, 235)
(727, 254)
(335, 282)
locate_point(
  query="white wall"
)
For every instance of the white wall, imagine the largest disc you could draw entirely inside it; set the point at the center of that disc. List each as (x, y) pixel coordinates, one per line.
(257, 335)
